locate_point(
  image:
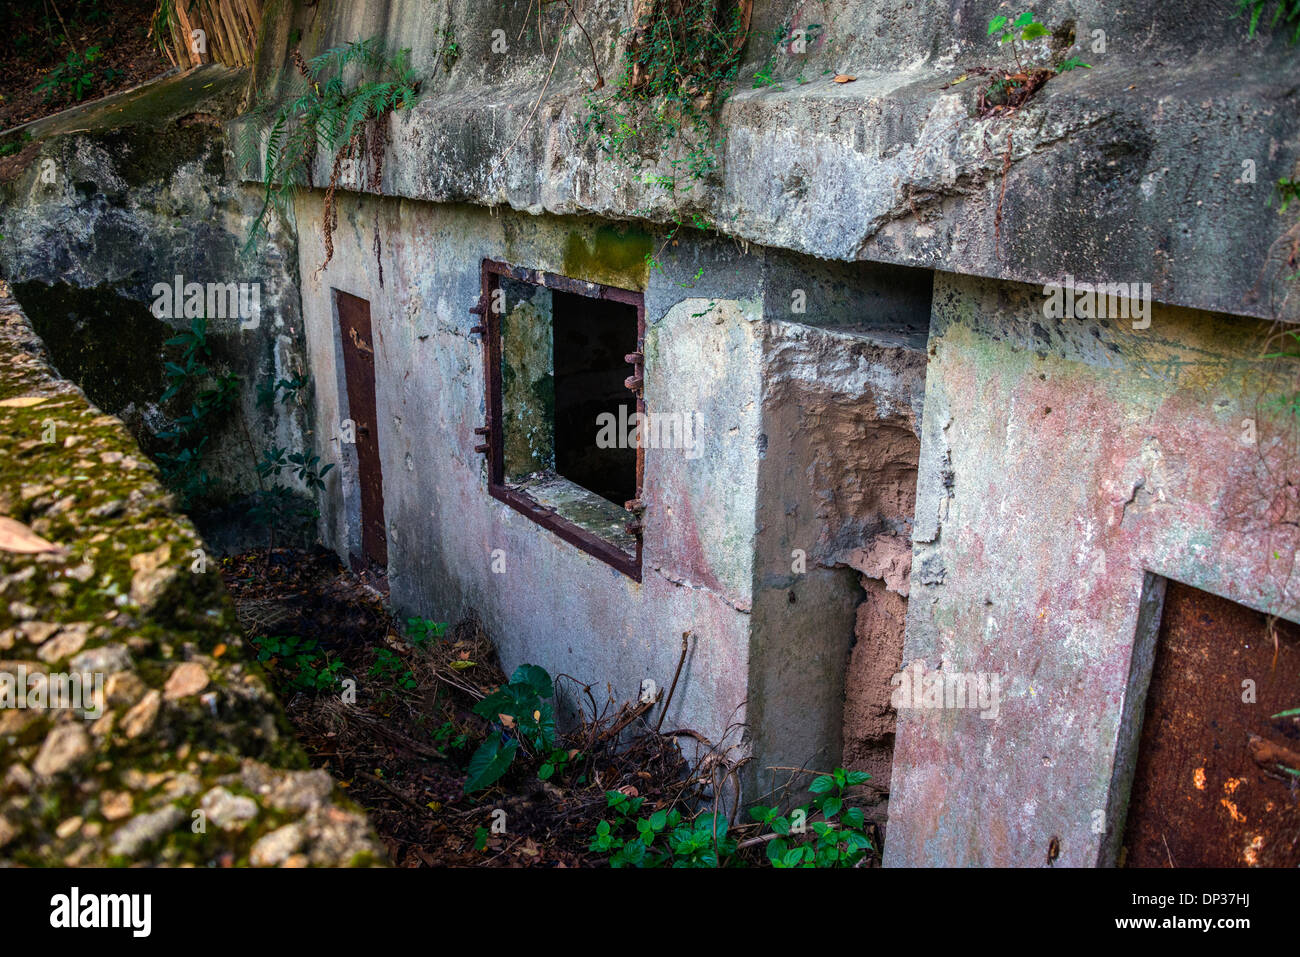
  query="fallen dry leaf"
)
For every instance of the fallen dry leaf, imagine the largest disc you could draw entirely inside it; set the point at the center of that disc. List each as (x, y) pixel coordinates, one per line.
(844, 78)
(17, 537)
(22, 401)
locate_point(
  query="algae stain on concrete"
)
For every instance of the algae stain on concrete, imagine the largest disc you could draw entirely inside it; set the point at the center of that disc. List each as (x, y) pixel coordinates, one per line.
(609, 255)
(110, 345)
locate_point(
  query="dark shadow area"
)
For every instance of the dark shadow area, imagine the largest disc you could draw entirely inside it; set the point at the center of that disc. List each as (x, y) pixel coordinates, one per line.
(591, 339)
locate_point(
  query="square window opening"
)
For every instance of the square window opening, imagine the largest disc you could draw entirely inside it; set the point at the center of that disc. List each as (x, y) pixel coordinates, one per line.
(563, 373)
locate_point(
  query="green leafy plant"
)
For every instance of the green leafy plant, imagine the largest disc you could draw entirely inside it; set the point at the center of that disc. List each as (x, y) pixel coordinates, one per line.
(300, 661)
(327, 113)
(293, 389)
(523, 712)
(389, 668)
(1288, 192)
(423, 632)
(664, 838)
(1286, 14)
(1009, 88)
(680, 69)
(279, 508)
(448, 737)
(823, 833)
(209, 398)
(1024, 28)
(15, 144)
(72, 79)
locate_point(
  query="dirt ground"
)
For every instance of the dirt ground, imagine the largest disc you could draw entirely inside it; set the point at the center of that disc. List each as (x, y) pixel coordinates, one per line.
(35, 41)
(402, 748)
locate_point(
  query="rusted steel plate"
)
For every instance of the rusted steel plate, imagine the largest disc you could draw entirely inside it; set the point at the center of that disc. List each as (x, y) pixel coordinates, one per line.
(1210, 788)
(359, 370)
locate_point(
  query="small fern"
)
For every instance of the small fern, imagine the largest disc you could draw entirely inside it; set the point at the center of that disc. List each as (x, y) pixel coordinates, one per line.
(328, 115)
(1286, 14)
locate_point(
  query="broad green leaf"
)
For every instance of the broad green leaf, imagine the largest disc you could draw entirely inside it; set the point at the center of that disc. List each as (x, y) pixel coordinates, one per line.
(821, 784)
(535, 678)
(489, 762)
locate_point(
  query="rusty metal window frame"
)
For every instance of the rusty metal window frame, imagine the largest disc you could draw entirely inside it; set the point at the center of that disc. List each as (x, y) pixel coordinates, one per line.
(492, 439)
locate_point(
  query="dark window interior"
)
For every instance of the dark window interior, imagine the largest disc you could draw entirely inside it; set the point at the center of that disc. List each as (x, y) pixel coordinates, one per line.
(591, 337)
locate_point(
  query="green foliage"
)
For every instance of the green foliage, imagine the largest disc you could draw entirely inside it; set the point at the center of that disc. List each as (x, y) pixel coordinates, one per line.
(665, 838)
(293, 390)
(15, 144)
(1073, 63)
(1288, 191)
(448, 737)
(389, 668)
(679, 73)
(1024, 28)
(422, 632)
(526, 717)
(73, 78)
(449, 49)
(1286, 14)
(279, 508)
(838, 839)
(326, 113)
(210, 397)
(300, 662)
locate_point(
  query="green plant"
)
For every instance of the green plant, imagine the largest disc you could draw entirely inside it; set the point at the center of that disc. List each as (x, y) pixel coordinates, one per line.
(1285, 13)
(327, 114)
(389, 668)
(211, 396)
(15, 144)
(300, 660)
(665, 838)
(679, 71)
(1288, 191)
(72, 79)
(1024, 28)
(838, 839)
(449, 50)
(523, 712)
(447, 737)
(279, 508)
(423, 631)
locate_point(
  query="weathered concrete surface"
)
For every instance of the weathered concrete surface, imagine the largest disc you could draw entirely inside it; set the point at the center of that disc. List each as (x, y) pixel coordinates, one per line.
(841, 422)
(114, 197)
(1134, 170)
(183, 721)
(553, 604)
(785, 409)
(1067, 468)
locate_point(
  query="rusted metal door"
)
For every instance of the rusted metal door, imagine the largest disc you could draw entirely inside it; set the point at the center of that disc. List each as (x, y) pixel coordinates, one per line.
(1211, 787)
(359, 368)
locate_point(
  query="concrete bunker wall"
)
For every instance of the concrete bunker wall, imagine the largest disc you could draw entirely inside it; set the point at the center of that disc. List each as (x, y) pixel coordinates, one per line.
(1068, 468)
(802, 411)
